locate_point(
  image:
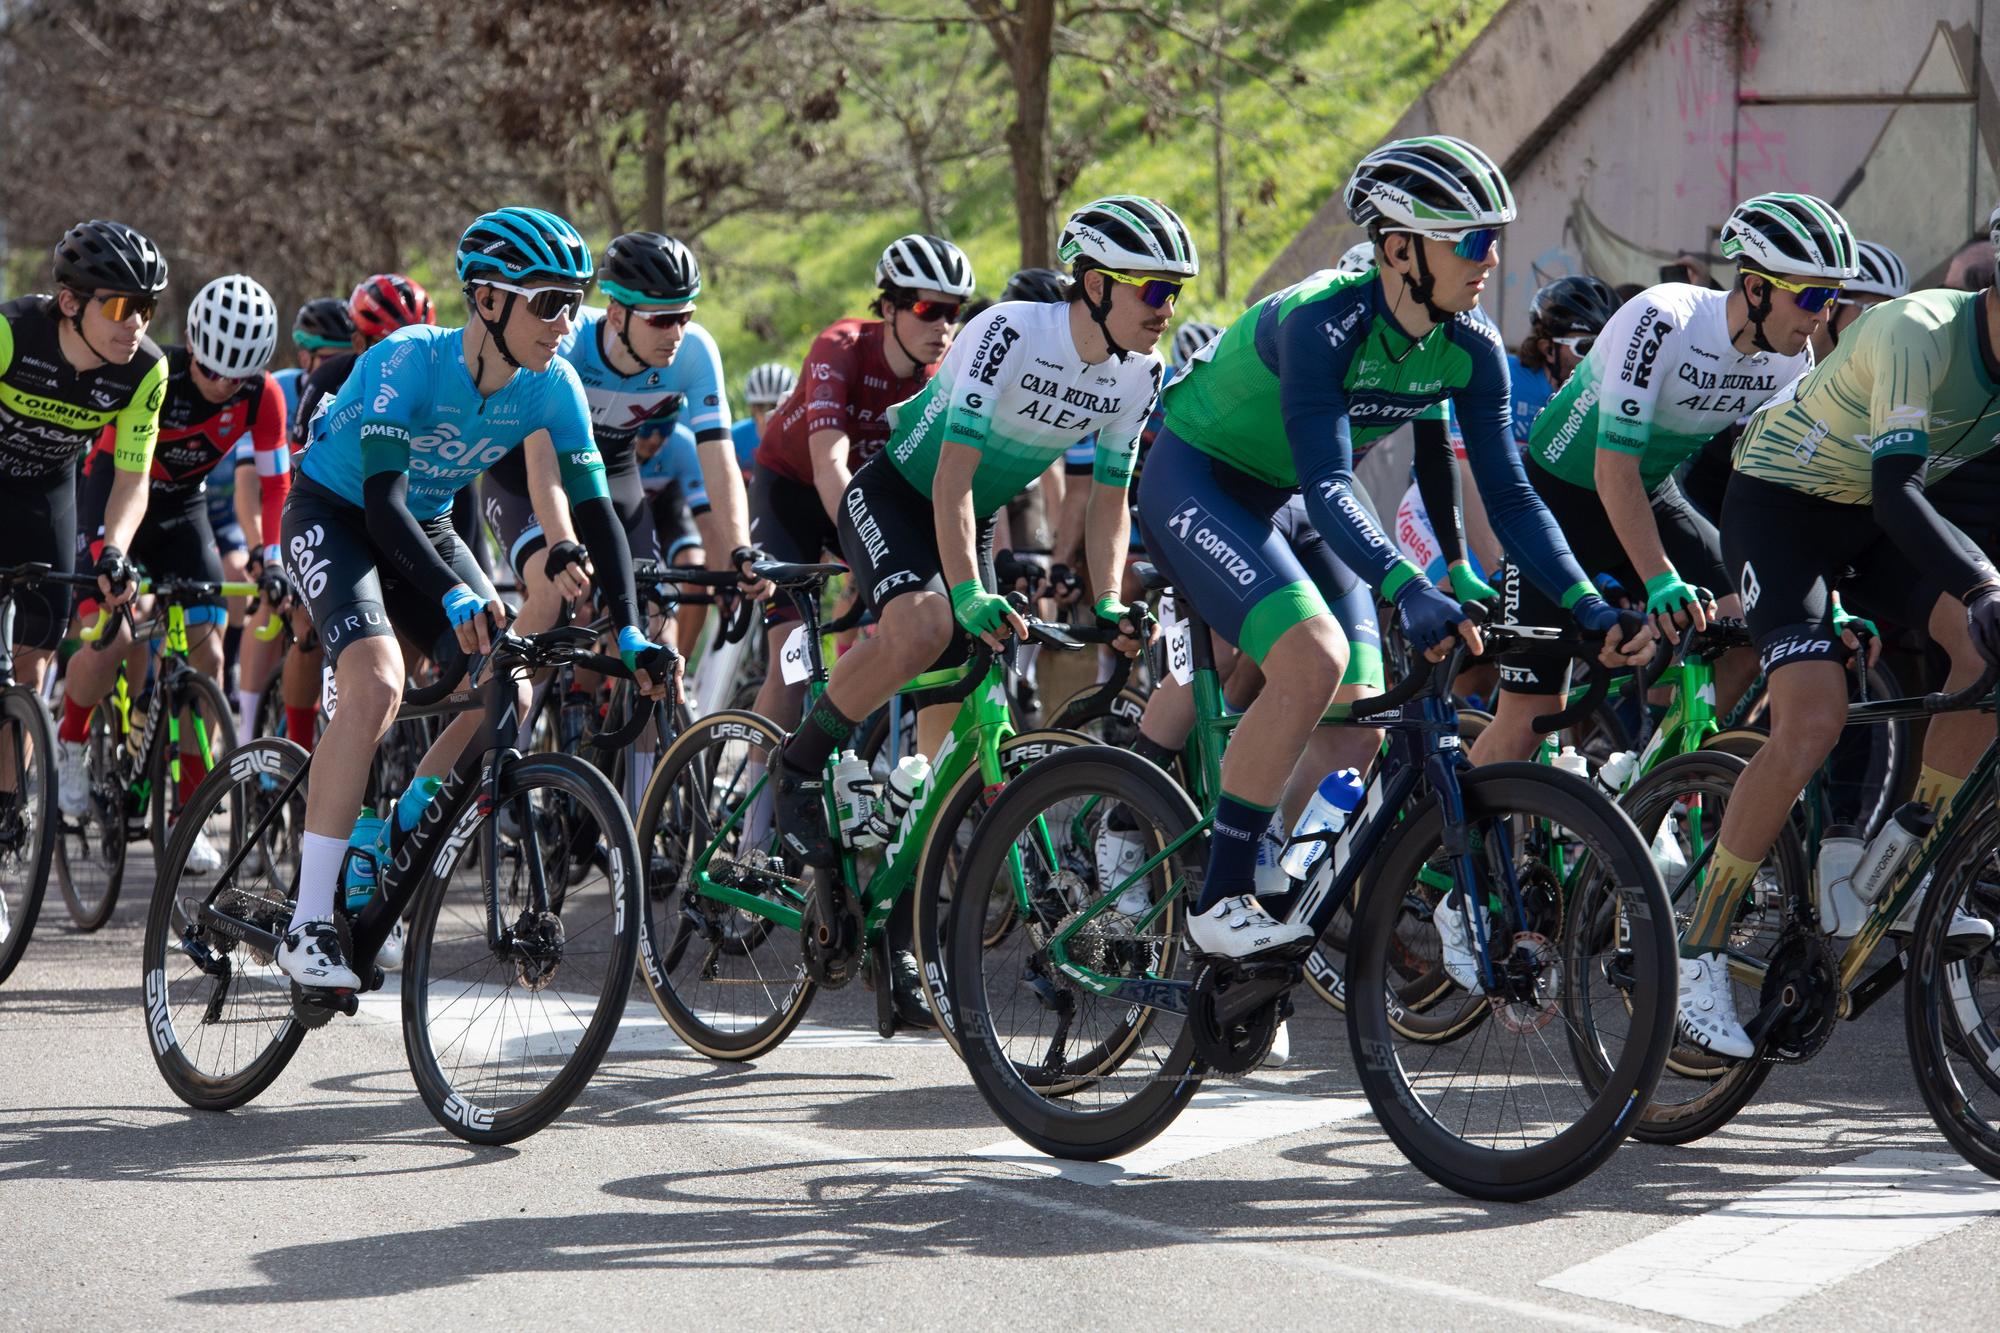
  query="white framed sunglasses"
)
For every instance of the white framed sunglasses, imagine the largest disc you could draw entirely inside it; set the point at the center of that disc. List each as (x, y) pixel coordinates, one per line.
(548, 304)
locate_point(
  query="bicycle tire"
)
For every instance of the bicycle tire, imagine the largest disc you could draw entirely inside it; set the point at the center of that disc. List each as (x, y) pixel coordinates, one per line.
(673, 916)
(28, 828)
(173, 930)
(1538, 796)
(97, 843)
(206, 698)
(465, 1112)
(1942, 1015)
(1037, 1116)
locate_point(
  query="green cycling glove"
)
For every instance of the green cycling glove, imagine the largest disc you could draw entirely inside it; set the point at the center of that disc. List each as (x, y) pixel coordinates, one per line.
(1841, 620)
(1667, 593)
(980, 612)
(1467, 586)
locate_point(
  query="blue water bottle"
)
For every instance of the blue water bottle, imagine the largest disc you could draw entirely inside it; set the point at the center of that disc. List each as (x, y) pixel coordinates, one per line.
(1322, 820)
(358, 868)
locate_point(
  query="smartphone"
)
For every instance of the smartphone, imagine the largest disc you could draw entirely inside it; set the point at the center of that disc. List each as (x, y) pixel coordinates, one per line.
(1674, 272)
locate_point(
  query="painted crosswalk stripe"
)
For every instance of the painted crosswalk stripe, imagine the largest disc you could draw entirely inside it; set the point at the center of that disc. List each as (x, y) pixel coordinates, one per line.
(1216, 1120)
(1749, 1259)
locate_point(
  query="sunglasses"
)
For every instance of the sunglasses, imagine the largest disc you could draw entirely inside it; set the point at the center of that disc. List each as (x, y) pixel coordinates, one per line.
(548, 304)
(1474, 244)
(1155, 292)
(662, 319)
(932, 311)
(121, 306)
(1809, 298)
(1579, 344)
(234, 381)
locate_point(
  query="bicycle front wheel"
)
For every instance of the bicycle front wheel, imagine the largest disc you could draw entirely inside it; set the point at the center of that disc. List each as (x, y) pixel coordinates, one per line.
(28, 819)
(1952, 995)
(517, 966)
(1504, 1112)
(207, 731)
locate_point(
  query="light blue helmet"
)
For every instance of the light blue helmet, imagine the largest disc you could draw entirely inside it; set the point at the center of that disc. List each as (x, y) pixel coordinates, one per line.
(516, 243)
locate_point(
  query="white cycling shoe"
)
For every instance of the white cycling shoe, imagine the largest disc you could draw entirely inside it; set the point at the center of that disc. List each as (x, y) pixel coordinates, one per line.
(1239, 928)
(311, 955)
(1461, 959)
(1281, 1048)
(72, 777)
(1708, 1008)
(202, 858)
(1967, 935)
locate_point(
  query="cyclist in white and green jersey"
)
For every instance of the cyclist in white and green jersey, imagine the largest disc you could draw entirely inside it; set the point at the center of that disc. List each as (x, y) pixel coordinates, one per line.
(1675, 365)
(1022, 383)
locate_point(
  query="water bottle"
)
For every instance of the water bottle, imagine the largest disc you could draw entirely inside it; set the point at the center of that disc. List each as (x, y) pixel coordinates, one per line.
(358, 866)
(899, 800)
(854, 800)
(1889, 850)
(1569, 761)
(1339, 792)
(1271, 877)
(1668, 856)
(1613, 772)
(1841, 910)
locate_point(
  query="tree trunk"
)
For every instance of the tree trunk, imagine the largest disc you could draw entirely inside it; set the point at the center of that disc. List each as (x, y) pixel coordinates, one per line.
(1221, 164)
(1025, 38)
(653, 211)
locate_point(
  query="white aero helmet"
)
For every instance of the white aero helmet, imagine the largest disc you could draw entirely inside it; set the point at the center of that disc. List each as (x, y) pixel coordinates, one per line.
(1191, 337)
(1882, 271)
(922, 261)
(232, 326)
(1360, 257)
(1790, 236)
(769, 384)
(1128, 231)
(1430, 183)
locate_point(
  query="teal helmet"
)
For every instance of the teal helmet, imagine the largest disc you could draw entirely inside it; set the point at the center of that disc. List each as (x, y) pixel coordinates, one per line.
(516, 243)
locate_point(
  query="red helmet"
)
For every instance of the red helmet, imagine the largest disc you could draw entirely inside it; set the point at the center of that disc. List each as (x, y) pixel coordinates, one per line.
(387, 302)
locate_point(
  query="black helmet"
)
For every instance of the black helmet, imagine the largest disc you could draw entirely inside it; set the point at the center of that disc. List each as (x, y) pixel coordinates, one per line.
(1577, 304)
(325, 321)
(1036, 284)
(646, 266)
(98, 254)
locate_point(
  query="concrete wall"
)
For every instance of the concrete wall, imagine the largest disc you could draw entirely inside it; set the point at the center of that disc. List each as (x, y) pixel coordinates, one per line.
(1630, 127)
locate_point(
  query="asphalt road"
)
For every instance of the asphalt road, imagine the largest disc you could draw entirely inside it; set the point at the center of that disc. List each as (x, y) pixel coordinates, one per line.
(847, 1181)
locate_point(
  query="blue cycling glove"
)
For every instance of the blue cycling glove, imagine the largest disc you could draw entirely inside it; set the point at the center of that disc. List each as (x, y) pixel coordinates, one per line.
(637, 651)
(1429, 617)
(461, 604)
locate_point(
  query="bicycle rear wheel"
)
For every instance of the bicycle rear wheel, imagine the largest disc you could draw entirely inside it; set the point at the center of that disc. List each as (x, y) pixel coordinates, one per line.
(1952, 999)
(1075, 1073)
(1503, 1112)
(727, 980)
(91, 863)
(501, 1038)
(28, 819)
(218, 1010)
(207, 732)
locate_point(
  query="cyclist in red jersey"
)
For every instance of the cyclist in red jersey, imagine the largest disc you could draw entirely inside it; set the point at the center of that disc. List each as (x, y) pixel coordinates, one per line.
(218, 396)
(837, 418)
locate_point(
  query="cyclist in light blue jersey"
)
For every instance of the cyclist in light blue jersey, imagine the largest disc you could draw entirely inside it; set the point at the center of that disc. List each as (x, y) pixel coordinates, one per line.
(368, 534)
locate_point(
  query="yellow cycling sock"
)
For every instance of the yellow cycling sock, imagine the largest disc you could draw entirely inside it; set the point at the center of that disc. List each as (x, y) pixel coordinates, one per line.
(1715, 906)
(1935, 788)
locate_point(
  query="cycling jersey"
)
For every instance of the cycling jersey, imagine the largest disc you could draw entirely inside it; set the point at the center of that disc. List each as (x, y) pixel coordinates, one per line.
(197, 435)
(1661, 379)
(743, 435)
(620, 404)
(291, 381)
(677, 464)
(1014, 387)
(51, 414)
(317, 391)
(411, 406)
(1309, 373)
(1531, 390)
(846, 385)
(1910, 377)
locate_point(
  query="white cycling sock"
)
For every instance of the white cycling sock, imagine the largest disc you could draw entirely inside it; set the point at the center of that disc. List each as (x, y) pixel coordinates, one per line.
(319, 877)
(246, 708)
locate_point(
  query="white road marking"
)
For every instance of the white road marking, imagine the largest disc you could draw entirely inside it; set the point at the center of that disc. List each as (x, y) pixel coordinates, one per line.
(1216, 1120)
(1749, 1259)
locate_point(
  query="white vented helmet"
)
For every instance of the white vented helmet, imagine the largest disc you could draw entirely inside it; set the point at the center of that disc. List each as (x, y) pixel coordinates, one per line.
(1360, 257)
(1790, 236)
(1882, 272)
(1191, 337)
(232, 326)
(920, 261)
(1128, 231)
(769, 384)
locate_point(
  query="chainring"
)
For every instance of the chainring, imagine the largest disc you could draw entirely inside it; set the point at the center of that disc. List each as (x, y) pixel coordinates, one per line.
(1804, 966)
(830, 931)
(1242, 1044)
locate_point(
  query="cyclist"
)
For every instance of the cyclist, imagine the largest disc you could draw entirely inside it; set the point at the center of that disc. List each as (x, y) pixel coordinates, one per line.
(1675, 365)
(641, 357)
(322, 329)
(764, 388)
(838, 418)
(1021, 384)
(219, 397)
(1251, 505)
(72, 364)
(669, 463)
(1829, 490)
(369, 538)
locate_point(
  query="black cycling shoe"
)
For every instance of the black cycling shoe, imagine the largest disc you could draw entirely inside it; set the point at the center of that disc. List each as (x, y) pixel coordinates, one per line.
(906, 989)
(800, 811)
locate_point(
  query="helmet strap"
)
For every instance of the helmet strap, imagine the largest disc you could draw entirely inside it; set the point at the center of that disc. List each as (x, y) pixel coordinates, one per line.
(76, 323)
(916, 362)
(1099, 312)
(1423, 284)
(1758, 313)
(495, 332)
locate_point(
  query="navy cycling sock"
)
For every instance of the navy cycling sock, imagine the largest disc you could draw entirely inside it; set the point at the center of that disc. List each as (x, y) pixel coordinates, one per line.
(1155, 753)
(1232, 850)
(824, 729)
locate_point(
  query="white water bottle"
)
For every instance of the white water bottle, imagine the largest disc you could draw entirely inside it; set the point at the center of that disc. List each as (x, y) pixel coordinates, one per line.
(899, 796)
(1891, 848)
(1841, 910)
(1613, 772)
(854, 800)
(1569, 761)
(1338, 794)
(1271, 877)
